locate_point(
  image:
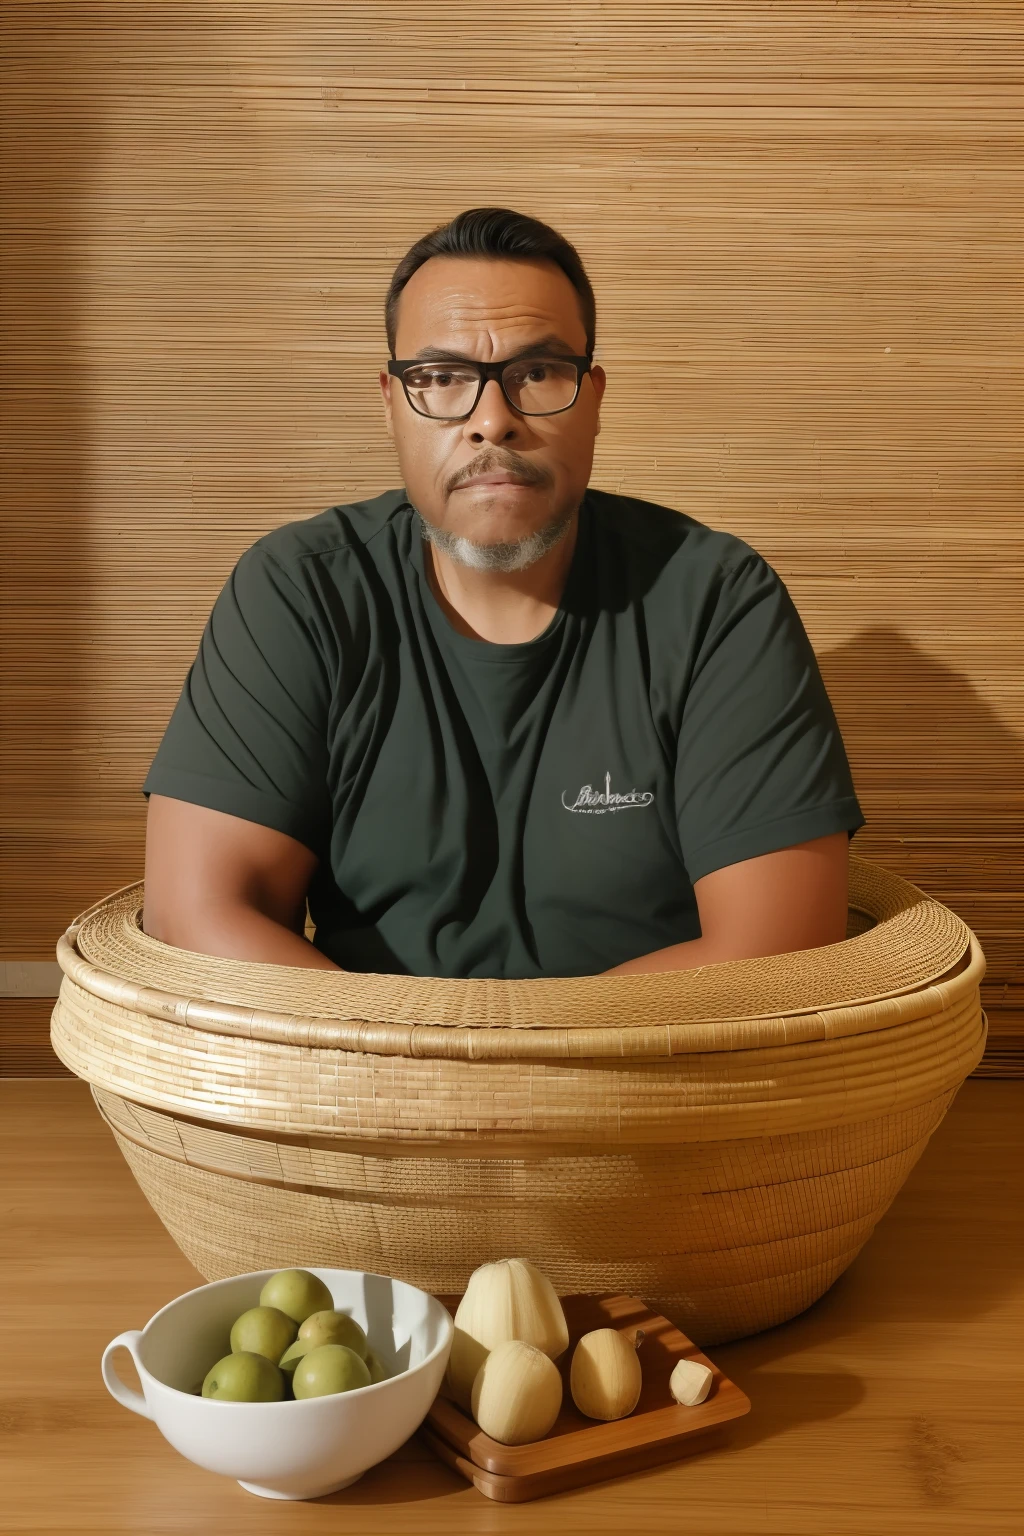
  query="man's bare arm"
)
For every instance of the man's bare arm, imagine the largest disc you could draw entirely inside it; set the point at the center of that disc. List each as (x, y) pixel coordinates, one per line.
(796, 898)
(220, 885)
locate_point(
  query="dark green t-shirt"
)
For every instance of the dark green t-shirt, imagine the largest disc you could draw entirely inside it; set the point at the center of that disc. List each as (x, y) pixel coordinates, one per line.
(539, 809)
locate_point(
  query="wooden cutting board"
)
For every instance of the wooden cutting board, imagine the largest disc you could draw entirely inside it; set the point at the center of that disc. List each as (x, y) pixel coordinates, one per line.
(579, 1450)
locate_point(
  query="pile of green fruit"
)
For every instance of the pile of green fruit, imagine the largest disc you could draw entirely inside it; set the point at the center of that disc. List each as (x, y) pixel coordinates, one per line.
(295, 1344)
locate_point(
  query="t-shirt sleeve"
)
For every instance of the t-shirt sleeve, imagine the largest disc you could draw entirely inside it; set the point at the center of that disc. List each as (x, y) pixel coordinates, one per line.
(248, 734)
(761, 763)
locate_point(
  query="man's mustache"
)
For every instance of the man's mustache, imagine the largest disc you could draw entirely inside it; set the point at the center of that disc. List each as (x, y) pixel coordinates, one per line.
(495, 463)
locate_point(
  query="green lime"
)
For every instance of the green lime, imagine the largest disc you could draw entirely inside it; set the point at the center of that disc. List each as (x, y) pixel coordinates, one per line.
(297, 1293)
(263, 1331)
(328, 1369)
(374, 1366)
(244, 1377)
(334, 1328)
(291, 1357)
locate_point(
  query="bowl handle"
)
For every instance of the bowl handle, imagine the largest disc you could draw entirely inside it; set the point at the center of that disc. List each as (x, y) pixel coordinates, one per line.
(114, 1385)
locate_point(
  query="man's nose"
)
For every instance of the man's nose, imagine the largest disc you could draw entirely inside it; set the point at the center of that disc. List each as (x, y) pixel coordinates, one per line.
(494, 420)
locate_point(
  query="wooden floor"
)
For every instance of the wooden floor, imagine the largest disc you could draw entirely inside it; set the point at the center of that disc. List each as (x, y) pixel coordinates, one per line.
(896, 1404)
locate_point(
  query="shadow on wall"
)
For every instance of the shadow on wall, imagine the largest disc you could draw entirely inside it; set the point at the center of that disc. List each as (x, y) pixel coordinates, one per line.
(938, 775)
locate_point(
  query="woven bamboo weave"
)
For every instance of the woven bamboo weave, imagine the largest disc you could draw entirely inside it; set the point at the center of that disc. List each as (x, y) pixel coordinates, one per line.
(721, 1142)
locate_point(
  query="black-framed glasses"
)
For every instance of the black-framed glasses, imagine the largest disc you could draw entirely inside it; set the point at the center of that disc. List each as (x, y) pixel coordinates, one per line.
(450, 389)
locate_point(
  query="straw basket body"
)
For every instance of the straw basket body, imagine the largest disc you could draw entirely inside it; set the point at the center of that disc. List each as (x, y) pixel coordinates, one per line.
(720, 1142)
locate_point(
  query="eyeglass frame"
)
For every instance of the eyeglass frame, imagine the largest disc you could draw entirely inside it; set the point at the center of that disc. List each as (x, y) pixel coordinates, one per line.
(487, 371)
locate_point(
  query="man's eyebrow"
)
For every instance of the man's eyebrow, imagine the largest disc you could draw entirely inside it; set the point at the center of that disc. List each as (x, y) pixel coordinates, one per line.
(547, 346)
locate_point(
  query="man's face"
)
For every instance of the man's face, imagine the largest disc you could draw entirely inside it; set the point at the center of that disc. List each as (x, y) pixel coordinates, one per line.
(490, 311)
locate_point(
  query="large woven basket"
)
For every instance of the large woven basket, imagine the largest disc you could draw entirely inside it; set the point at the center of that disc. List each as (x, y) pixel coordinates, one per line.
(720, 1141)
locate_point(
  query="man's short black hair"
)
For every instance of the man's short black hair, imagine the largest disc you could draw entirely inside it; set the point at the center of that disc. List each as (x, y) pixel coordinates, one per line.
(499, 233)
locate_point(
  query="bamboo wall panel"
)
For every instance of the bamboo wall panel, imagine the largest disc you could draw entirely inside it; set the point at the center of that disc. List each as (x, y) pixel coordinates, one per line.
(812, 211)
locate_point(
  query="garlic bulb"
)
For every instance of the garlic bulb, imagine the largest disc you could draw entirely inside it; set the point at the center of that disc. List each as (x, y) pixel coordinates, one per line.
(605, 1377)
(690, 1382)
(507, 1300)
(517, 1393)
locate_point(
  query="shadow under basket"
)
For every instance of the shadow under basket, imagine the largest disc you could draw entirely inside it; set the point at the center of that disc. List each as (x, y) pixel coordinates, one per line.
(719, 1141)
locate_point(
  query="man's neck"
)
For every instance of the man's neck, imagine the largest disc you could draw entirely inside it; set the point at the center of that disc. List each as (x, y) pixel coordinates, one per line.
(504, 607)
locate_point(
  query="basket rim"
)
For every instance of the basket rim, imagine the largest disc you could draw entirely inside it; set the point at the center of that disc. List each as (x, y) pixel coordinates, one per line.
(501, 1036)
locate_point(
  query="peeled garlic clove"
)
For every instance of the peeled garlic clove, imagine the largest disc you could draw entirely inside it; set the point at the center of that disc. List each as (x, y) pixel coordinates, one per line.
(516, 1394)
(510, 1299)
(690, 1382)
(605, 1377)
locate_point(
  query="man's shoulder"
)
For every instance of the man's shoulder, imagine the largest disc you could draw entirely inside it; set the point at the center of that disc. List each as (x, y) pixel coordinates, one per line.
(347, 526)
(667, 538)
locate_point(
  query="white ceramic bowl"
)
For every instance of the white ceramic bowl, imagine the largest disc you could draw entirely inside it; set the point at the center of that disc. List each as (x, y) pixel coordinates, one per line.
(293, 1449)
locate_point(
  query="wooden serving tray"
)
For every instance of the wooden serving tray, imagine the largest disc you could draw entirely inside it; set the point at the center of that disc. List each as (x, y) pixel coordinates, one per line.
(579, 1450)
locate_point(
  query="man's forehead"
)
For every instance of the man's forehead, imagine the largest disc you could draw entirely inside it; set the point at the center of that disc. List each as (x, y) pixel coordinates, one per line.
(458, 301)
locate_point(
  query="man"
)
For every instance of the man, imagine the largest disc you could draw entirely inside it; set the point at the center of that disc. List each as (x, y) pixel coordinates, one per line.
(498, 722)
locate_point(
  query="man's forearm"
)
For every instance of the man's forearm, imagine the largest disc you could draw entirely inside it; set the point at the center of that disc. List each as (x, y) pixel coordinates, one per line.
(241, 933)
(680, 957)
(775, 904)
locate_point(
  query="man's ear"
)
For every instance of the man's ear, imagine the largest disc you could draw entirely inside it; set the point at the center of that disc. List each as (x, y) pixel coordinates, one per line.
(385, 389)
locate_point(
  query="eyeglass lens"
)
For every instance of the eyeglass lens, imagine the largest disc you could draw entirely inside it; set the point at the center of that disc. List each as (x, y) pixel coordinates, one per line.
(535, 386)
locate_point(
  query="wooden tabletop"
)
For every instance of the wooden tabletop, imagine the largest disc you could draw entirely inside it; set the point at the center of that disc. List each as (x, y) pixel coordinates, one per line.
(896, 1404)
